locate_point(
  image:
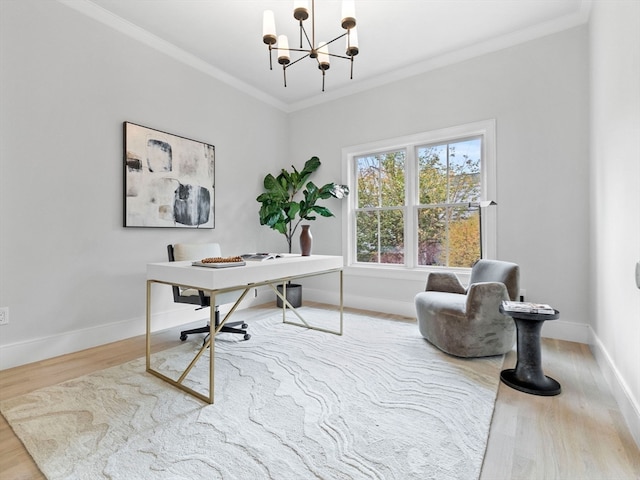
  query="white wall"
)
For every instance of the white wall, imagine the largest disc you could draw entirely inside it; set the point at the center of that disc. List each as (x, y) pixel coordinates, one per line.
(615, 198)
(71, 275)
(538, 94)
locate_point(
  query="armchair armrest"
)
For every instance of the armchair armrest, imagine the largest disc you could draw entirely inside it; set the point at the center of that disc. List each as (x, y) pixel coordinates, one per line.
(444, 282)
(484, 299)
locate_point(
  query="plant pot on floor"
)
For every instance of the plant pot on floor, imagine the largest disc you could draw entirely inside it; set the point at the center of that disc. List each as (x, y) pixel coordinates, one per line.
(294, 295)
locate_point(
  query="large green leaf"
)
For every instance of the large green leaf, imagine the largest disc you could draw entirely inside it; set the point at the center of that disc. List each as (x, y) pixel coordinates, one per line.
(279, 206)
(325, 212)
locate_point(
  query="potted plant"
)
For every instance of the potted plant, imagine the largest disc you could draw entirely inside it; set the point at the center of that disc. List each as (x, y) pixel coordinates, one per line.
(290, 198)
(283, 210)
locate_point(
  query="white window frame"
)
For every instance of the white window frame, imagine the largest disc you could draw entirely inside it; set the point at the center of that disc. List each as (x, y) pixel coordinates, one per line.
(485, 129)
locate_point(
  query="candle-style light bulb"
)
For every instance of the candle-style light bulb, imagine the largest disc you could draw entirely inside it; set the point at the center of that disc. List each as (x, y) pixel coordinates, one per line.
(323, 56)
(268, 28)
(348, 14)
(283, 50)
(352, 42)
(301, 10)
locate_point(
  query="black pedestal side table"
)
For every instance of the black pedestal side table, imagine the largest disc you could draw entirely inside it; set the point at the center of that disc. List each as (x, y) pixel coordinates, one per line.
(528, 376)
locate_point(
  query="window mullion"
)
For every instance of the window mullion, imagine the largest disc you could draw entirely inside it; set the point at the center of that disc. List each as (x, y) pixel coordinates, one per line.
(410, 212)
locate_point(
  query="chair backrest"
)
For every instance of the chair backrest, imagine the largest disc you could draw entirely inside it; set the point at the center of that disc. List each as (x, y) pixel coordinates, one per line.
(497, 271)
(194, 251)
(191, 252)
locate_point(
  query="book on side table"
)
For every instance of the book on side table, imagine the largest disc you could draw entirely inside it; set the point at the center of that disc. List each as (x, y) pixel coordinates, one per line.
(527, 307)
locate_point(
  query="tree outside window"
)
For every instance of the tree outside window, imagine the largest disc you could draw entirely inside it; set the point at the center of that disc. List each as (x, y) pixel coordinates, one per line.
(448, 179)
(380, 208)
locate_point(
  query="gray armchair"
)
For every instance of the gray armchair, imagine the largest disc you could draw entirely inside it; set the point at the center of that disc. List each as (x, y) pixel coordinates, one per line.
(466, 322)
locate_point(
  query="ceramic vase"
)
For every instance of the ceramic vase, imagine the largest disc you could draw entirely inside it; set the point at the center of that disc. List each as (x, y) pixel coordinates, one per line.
(306, 241)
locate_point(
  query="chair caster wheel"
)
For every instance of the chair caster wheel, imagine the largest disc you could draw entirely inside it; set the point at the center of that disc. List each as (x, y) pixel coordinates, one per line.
(183, 336)
(244, 326)
(247, 336)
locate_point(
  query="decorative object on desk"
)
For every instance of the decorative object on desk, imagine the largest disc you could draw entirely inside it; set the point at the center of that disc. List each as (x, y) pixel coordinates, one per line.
(306, 405)
(169, 180)
(306, 241)
(219, 262)
(280, 207)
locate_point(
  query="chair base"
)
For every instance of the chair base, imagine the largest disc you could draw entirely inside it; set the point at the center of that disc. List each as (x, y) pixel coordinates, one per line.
(227, 328)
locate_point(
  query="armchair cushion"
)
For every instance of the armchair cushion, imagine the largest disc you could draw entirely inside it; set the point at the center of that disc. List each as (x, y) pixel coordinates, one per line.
(444, 282)
(467, 322)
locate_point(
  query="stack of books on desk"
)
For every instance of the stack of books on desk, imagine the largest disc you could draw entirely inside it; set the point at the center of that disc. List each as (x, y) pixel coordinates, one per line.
(527, 307)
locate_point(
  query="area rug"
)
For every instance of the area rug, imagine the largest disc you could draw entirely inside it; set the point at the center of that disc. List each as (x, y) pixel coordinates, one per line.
(378, 402)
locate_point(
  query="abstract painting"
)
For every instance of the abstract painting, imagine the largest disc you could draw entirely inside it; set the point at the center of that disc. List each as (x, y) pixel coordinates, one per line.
(169, 181)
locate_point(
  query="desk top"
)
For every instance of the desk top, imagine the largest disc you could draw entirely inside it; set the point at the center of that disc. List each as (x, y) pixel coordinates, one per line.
(290, 265)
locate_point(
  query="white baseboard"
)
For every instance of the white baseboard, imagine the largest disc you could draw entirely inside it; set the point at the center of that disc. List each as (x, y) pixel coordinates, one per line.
(569, 331)
(34, 350)
(629, 405)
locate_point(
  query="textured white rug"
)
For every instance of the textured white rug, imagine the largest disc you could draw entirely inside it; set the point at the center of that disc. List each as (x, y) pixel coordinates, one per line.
(378, 402)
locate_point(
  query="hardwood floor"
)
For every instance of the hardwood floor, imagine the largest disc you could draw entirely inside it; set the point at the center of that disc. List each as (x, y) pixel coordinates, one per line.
(579, 434)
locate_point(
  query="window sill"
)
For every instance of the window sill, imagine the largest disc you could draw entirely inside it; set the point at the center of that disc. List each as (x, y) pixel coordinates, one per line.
(402, 273)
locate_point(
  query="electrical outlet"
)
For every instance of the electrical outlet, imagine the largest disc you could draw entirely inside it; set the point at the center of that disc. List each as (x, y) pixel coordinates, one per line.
(4, 315)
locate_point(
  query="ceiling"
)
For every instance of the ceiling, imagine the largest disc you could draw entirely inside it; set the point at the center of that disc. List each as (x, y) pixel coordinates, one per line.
(397, 38)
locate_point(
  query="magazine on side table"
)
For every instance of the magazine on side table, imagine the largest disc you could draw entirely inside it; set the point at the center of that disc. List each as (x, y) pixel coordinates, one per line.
(527, 307)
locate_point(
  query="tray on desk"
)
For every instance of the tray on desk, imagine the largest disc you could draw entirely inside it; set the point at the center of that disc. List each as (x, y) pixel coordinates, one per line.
(219, 264)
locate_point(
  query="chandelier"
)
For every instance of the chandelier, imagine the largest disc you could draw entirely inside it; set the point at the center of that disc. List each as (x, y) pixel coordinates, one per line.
(316, 51)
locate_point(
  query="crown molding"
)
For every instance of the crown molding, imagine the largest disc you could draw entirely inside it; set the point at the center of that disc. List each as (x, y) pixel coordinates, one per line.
(105, 17)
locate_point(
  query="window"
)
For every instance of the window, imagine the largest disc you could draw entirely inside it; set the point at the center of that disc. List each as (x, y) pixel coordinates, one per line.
(448, 181)
(415, 200)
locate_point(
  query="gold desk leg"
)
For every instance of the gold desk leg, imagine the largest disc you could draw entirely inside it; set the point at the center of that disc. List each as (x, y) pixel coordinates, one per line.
(167, 379)
(210, 344)
(148, 339)
(305, 324)
(211, 341)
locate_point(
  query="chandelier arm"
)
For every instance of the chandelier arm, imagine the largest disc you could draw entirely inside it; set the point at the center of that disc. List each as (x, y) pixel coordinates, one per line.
(293, 63)
(339, 56)
(300, 50)
(337, 38)
(304, 30)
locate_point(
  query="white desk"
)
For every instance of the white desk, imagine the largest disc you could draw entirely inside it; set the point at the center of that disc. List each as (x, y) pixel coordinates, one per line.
(244, 278)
